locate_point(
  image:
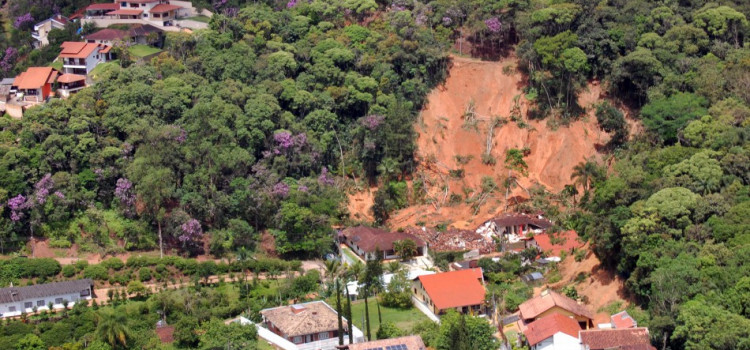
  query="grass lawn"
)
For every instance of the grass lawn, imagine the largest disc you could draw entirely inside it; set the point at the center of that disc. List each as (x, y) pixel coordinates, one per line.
(142, 50)
(404, 319)
(263, 345)
(57, 65)
(103, 67)
(350, 254)
(203, 19)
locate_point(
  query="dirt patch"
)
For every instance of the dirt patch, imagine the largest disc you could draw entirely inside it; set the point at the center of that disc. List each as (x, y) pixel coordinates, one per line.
(600, 287)
(450, 150)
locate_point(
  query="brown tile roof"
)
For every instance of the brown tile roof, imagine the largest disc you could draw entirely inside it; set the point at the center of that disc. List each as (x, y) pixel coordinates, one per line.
(614, 338)
(165, 334)
(515, 219)
(550, 325)
(623, 320)
(101, 7)
(162, 8)
(312, 317)
(143, 30)
(369, 238)
(412, 342)
(72, 49)
(107, 34)
(454, 288)
(69, 78)
(13, 294)
(35, 77)
(548, 299)
(564, 242)
(128, 12)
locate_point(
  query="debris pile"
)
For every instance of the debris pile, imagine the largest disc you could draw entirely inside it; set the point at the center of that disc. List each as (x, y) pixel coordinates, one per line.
(453, 239)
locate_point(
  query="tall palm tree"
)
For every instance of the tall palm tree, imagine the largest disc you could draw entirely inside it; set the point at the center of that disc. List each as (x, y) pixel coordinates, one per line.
(388, 168)
(112, 328)
(333, 268)
(585, 173)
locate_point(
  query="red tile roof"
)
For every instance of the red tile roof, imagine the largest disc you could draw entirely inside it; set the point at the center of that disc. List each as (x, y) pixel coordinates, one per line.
(369, 238)
(71, 49)
(550, 325)
(69, 78)
(535, 306)
(107, 34)
(101, 7)
(127, 12)
(623, 320)
(35, 77)
(564, 241)
(596, 339)
(166, 334)
(162, 8)
(454, 288)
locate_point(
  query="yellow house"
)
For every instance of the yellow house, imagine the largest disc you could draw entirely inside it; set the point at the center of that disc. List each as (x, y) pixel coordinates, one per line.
(550, 302)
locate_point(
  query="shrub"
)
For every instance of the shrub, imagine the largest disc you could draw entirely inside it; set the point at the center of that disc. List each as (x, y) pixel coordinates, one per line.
(42, 267)
(144, 274)
(59, 243)
(69, 271)
(113, 263)
(81, 265)
(161, 268)
(97, 272)
(186, 266)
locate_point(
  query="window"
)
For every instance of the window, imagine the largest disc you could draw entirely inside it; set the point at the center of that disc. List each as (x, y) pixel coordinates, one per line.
(11, 309)
(85, 293)
(58, 301)
(40, 303)
(297, 340)
(123, 4)
(28, 305)
(323, 336)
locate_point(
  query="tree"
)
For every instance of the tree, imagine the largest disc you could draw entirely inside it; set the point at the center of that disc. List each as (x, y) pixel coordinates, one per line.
(30, 342)
(398, 292)
(721, 22)
(112, 328)
(667, 116)
(405, 249)
(586, 173)
(389, 330)
(216, 335)
(702, 325)
(339, 311)
(612, 121)
(137, 288)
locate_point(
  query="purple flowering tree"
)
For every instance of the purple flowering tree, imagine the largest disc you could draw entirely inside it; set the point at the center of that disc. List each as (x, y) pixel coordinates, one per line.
(16, 205)
(325, 178)
(191, 234)
(372, 121)
(34, 203)
(23, 19)
(124, 192)
(280, 190)
(493, 24)
(9, 58)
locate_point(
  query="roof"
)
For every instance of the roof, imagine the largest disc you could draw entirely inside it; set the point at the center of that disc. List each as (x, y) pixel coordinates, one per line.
(58, 18)
(623, 320)
(563, 241)
(411, 342)
(550, 325)
(103, 7)
(73, 49)
(516, 219)
(35, 77)
(454, 288)
(162, 8)
(533, 276)
(128, 12)
(7, 81)
(69, 78)
(107, 34)
(143, 30)
(141, 1)
(369, 238)
(165, 334)
(614, 338)
(548, 299)
(14, 294)
(301, 319)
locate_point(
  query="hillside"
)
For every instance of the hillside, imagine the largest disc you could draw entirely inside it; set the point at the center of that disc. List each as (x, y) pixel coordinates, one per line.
(443, 136)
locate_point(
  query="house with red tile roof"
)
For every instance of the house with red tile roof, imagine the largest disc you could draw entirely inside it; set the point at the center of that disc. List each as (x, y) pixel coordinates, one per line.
(365, 241)
(614, 339)
(550, 302)
(553, 332)
(410, 342)
(461, 290)
(157, 12)
(81, 58)
(312, 322)
(35, 84)
(553, 244)
(622, 320)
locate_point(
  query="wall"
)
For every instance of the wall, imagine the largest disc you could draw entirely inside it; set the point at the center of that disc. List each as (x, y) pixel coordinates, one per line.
(561, 311)
(71, 297)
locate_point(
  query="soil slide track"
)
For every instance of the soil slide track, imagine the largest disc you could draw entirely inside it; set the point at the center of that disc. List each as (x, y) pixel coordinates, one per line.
(442, 135)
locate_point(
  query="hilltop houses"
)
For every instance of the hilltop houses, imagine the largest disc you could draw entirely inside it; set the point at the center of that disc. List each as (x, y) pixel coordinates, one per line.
(551, 302)
(81, 58)
(35, 84)
(461, 290)
(42, 29)
(312, 325)
(163, 14)
(17, 300)
(365, 241)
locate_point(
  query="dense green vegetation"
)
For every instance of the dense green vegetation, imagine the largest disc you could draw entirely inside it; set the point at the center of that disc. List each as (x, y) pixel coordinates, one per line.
(262, 121)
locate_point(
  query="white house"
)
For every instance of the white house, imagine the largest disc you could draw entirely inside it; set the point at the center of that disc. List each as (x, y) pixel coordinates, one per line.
(307, 326)
(16, 300)
(81, 58)
(553, 332)
(42, 29)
